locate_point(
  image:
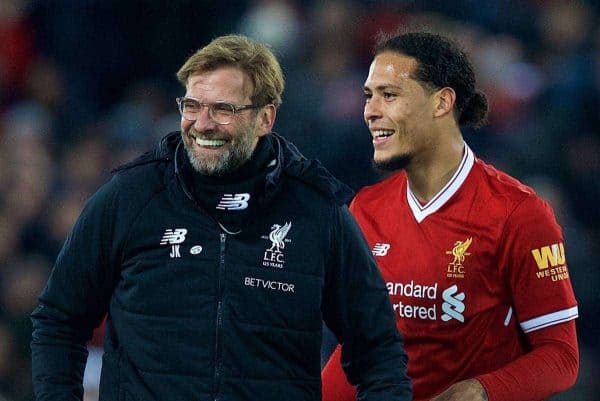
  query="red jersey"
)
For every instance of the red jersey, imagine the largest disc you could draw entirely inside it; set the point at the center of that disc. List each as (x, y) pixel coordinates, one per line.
(469, 272)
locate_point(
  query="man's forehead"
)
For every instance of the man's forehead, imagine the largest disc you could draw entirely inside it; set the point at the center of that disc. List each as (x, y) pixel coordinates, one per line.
(391, 66)
(221, 81)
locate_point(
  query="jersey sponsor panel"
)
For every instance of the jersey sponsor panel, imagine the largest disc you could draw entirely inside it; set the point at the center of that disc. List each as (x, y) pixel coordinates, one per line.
(414, 301)
(551, 262)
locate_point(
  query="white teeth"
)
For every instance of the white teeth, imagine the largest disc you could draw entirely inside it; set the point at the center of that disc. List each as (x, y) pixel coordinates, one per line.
(382, 133)
(210, 142)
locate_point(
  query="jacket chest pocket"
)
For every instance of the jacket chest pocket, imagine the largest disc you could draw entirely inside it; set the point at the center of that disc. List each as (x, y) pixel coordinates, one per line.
(274, 297)
(161, 288)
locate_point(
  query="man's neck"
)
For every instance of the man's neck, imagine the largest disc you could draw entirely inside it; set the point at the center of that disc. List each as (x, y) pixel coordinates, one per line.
(429, 174)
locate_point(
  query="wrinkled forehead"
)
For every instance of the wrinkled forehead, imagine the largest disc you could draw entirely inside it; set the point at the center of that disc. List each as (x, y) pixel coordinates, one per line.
(229, 84)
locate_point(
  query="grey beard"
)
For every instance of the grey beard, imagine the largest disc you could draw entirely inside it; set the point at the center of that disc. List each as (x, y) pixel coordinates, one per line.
(227, 164)
(230, 161)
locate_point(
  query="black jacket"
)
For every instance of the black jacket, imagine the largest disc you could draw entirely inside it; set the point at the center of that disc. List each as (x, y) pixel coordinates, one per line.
(195, 313)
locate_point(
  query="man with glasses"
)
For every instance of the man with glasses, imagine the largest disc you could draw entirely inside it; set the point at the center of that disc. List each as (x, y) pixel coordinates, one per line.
(215, 257)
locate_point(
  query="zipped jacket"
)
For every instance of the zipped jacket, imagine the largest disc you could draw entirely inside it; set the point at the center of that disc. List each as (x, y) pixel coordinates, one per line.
(197, 313)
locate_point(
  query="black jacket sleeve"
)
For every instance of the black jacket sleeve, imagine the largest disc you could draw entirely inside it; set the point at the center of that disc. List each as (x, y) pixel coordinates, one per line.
(357, 309)
(74, 301)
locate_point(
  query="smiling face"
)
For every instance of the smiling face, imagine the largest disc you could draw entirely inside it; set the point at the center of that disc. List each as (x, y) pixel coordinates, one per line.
(399, 111)
(215, 149)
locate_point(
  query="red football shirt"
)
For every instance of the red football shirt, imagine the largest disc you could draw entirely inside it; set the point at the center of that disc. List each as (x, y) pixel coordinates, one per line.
(468, 273)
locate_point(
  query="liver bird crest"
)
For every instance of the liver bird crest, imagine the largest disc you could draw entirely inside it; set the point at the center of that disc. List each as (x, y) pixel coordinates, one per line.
(277, 236)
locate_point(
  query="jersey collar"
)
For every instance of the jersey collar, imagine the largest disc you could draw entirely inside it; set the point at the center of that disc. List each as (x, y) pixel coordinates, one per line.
(422, 211)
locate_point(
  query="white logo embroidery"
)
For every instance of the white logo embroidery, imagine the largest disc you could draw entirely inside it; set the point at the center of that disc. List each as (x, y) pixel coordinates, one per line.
(234, 202)
(453, 305)
(174, 238)
(273, 256)
(196, 249)
(277, 235)
(380, 249)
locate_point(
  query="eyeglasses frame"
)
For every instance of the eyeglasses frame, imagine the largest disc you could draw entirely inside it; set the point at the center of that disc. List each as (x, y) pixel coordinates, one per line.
(235, 108)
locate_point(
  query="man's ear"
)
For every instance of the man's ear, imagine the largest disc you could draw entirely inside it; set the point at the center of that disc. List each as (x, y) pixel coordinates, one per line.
(266, 119)
(444, 99)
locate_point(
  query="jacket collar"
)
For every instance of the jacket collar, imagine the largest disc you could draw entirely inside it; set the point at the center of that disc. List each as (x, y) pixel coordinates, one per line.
(289, 162)
(311, 172)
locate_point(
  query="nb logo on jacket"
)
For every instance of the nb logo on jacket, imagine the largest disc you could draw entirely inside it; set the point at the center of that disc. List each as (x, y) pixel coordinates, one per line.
(174, 237)
(234, 202)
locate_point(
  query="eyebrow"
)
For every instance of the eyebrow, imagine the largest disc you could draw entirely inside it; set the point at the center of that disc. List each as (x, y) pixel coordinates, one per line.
(381, 88)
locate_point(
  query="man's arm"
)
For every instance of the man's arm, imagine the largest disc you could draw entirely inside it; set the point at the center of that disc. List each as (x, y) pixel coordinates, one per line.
(58, 355)
(73, 303)
(357, 309)
(545, 305)
(549, 368)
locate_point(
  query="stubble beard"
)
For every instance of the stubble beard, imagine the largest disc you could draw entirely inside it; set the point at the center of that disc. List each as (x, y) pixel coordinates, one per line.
(394, 163)
(239, 151)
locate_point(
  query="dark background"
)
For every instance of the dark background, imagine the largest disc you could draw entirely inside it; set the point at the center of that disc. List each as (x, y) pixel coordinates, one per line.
(88, 84)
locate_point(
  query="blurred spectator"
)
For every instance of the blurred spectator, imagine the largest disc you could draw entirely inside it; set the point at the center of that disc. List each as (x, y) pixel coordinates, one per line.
(16, 49)
(322, 111)
(7, 358)
(275, 22)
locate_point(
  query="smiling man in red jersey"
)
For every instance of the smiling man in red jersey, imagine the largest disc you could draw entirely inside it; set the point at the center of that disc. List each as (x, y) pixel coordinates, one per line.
(473, 260)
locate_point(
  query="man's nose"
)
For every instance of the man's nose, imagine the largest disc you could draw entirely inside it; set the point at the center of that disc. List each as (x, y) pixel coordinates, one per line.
(203, 120)
(372, 111)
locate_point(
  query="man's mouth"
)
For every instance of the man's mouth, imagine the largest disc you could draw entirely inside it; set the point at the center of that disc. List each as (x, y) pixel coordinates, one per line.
(207, 143)
(382, 133)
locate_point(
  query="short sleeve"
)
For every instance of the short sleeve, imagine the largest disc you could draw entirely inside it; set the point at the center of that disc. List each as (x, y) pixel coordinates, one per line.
(534, 266)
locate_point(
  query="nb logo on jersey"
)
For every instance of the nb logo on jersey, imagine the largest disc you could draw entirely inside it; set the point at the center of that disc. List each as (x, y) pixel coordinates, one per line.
(453, 306)
(380, 249)
(234, 202)
(174, 238)
(553, 255)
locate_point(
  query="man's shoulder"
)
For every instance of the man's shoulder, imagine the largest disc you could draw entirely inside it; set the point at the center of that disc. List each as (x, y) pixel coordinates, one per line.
(507, 192)
(135, 182)
(384, 190)
(501, 183)
(130, 187)
(148, 169)
(164, 150)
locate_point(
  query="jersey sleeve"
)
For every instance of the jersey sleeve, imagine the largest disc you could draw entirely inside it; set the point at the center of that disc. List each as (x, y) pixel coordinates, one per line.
(534, 266)
(550, 367)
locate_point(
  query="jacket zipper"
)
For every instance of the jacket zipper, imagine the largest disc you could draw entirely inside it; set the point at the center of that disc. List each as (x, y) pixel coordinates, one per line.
(219, 314)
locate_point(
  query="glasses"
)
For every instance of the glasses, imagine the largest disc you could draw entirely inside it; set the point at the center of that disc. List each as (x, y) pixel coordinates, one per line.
(220, 112)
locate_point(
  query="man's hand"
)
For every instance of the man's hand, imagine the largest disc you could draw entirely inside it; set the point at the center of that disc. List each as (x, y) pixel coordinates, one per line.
(466, 390)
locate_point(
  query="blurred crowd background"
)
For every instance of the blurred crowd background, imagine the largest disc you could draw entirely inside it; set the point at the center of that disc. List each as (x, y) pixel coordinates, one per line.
(88, 84)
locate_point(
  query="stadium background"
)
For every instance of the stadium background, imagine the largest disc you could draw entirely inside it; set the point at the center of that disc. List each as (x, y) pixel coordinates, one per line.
(88, 84)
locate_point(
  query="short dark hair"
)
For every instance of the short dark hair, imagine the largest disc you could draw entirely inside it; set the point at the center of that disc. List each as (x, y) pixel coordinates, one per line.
(441, 63)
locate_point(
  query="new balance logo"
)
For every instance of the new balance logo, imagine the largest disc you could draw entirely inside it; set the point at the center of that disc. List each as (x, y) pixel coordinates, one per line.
(453, 305)
(553, 255)
(380, 249)
(174, 238)
(234, 202)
